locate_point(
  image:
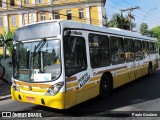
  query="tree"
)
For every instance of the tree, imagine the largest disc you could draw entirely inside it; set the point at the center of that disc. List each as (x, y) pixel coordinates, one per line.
(155, 32)
(119, 21)
(116, 21)
(144, 29)
(129, 18)
(8, 34)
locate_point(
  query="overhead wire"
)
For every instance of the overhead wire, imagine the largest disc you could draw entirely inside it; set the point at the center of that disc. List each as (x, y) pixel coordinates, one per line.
(141, 10)
(135, 12)
(118, 9)
(151, 15)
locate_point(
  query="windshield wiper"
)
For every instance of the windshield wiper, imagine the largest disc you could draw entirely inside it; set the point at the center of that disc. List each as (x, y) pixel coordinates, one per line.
(36, 49)
(40, 45)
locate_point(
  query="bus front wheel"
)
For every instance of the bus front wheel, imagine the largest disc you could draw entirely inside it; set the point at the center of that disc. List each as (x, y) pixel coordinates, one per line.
(105, 86)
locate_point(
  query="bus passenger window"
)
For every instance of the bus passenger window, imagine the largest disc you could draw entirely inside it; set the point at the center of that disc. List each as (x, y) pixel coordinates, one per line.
(138, 50)
(129, 50)
(145, 48)
(99, 50)
(152, 48)
(156, 45)
(74, 55)
(117, 50)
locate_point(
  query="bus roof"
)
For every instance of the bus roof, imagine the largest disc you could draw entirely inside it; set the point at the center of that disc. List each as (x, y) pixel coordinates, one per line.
(114, 31)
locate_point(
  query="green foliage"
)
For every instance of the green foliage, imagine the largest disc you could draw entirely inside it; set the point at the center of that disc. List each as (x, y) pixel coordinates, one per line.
(144, 29)
(155, 32)
(119, 21)
(116, 21)
(8, 34)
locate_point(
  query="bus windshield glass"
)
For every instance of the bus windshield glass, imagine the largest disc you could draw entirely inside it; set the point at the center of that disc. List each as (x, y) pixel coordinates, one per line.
(37, 61)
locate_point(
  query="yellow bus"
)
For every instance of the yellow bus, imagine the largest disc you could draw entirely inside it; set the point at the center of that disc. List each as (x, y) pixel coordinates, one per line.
(62, 63)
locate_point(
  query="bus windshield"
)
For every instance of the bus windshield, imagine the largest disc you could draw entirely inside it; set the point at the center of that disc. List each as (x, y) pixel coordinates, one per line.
(37, 61)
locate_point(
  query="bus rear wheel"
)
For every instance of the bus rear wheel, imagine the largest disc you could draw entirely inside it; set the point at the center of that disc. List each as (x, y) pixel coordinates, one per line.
(105, 86)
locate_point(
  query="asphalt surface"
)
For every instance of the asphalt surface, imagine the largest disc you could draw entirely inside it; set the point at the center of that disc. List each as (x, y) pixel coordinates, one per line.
(138, 96)
(5, 91)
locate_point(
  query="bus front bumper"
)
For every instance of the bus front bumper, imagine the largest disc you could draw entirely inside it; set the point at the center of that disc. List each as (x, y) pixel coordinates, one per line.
(56, 101)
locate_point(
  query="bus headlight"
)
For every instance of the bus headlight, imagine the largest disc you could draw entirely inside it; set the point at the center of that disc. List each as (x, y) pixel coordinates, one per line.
(15, 87)
(53, 90)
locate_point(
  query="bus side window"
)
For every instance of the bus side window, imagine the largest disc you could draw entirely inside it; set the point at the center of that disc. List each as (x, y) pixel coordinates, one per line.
(152, 48)
(74, 54)
(156, 46)
(117, 50)
(138, 49)
(145, 48)
(129, 50)
(99, 50)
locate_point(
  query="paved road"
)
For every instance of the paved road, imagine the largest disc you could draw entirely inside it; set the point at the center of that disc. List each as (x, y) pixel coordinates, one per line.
(140, 95)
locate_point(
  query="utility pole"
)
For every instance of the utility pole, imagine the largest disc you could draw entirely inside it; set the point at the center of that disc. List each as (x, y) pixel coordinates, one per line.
(129, 14)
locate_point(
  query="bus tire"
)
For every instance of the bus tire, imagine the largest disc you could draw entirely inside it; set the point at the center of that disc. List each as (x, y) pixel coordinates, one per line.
(150, 71)
(105, 86)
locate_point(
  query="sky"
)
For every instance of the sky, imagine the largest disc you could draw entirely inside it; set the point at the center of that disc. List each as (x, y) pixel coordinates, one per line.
(149, 12)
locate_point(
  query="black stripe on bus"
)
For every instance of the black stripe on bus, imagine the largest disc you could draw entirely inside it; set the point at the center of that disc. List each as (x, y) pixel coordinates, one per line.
(108, 33)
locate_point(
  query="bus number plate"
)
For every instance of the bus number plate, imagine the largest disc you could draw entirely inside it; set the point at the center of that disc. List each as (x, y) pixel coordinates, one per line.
(30, 99)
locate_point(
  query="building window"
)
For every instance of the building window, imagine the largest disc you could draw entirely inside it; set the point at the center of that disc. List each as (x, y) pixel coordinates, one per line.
(56, 15)
(69, 15)
(43, 16)
(81, 14)
(0, 3)
(1, 21)
(25, 18)
(13, 20)
(26, 2)
(39, 1)
(12, 3)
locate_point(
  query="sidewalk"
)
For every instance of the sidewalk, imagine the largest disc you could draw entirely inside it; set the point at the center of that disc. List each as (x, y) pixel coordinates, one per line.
(5, 91)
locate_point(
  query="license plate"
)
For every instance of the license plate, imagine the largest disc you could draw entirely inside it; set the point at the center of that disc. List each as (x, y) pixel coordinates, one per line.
(30, 99)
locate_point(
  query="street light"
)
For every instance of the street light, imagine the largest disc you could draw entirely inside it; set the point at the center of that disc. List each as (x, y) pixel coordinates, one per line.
(148, 12)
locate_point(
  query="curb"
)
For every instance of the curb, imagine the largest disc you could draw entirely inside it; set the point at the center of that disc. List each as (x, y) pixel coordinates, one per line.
(5, 97)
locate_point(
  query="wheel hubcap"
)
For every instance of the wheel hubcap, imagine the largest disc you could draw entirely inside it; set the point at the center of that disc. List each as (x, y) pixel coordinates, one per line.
(105, 87)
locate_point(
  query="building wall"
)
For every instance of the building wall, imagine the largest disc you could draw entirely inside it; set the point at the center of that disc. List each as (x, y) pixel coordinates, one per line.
(94, 15)
(13, 27)
(92, 12)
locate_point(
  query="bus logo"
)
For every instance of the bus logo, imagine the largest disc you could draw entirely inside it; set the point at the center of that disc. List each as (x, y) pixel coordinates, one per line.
(83, 80)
